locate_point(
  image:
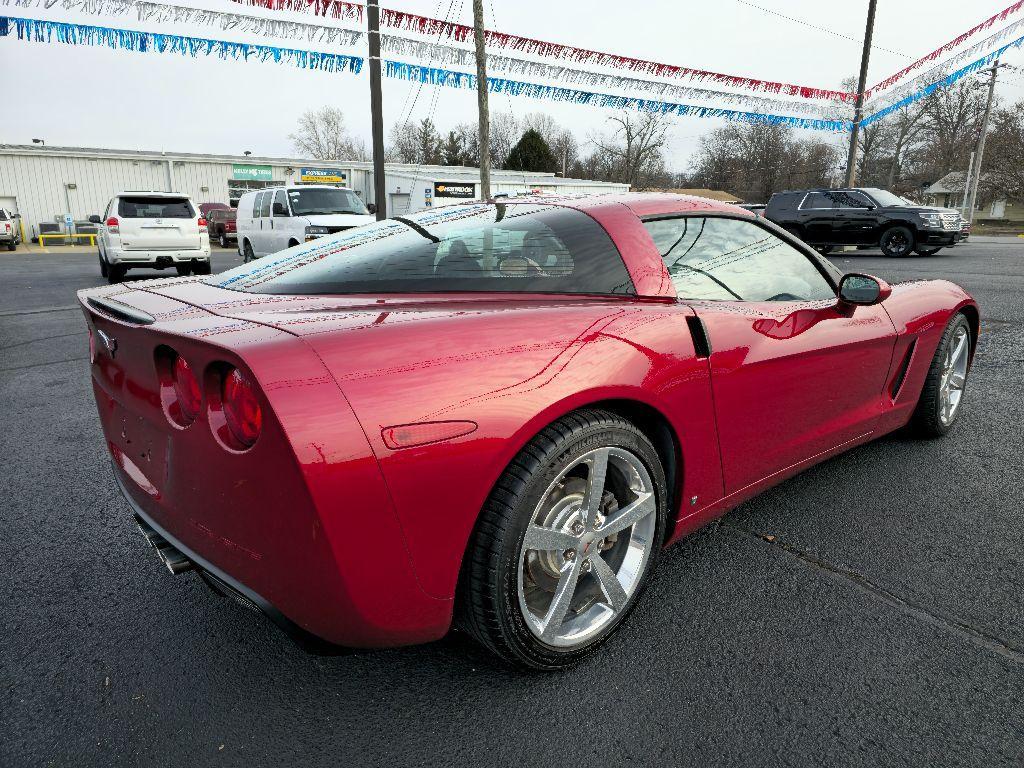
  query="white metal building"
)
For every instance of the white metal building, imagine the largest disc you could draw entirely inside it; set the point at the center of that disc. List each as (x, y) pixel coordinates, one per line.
(44, 184)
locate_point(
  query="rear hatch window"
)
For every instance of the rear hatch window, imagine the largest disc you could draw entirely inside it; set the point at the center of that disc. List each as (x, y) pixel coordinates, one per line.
(509, 248)
(154, 223)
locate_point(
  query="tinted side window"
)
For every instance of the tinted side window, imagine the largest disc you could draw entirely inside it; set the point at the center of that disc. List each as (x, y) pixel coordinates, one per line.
(265, 203)
(733, 260)
(280, 203)
(849, 200)
(817, 201)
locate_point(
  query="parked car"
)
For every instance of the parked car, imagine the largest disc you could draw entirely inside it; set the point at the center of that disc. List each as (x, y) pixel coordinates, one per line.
(221, 223)
(276, 218)
(497, 414)
(10, 232)
(155, 230)
(827, 218)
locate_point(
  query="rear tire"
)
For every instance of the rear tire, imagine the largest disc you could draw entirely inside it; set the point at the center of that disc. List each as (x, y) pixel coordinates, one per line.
(116, 273)
(824, 250)
(202, 268)
(183, 269)
(507, 591)
(247, 254)
(897, 242)
(12, 246)
(223, 240)
(941, 398)
(103, 265)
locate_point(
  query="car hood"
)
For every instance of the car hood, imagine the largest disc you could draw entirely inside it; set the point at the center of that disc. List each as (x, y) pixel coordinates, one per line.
(340, 219)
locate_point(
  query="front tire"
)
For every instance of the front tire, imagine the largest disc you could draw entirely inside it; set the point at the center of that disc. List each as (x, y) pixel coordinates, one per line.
(223, 240)
(942, 396)
(897, 242)
(566, 542)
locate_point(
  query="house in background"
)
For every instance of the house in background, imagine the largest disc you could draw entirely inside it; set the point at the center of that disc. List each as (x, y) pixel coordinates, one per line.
(948, 192)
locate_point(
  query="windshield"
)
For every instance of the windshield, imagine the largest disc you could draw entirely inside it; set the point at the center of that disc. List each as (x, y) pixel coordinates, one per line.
(480, 247)
(313, 202)
(887, 199)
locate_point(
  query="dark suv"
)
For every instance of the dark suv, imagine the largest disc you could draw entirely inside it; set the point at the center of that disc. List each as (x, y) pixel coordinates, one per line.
(826, 218)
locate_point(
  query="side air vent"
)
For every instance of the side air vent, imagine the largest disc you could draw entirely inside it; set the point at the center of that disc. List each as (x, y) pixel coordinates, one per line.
(901, 372)
(701, 344)
(121, 311)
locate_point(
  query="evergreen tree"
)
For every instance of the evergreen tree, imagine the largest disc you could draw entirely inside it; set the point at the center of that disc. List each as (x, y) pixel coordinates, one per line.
(531, 153)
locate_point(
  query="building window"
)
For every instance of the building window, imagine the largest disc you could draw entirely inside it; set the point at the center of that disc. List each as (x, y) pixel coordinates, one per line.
(238, 187)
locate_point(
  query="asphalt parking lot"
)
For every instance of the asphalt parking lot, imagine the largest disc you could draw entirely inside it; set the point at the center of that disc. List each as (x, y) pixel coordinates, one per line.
(867, 612)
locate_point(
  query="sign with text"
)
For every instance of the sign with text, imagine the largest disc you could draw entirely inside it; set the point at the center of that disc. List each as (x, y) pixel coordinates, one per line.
(323, 176)
(251, 172)
(461, 189)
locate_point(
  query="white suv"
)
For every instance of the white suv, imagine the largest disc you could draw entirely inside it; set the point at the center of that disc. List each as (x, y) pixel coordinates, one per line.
(155, 230)
(10, 232)
(272, 219)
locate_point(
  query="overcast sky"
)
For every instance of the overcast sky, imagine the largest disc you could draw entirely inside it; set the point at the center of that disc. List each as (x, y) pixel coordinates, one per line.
(94, 97)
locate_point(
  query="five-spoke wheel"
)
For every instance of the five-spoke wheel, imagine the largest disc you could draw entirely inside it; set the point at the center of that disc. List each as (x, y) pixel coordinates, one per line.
(943, 392)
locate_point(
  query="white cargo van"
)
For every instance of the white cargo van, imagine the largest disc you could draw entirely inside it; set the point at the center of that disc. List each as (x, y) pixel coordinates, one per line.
(273, 219)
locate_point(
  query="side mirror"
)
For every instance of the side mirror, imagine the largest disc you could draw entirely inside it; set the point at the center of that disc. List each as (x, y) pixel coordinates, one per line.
(95, 219)
(863, 290)
(371, 207)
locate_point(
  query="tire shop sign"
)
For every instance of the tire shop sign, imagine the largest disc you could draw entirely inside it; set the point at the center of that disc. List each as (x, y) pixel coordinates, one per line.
(455, 189)
(251, 172)
(323, 176)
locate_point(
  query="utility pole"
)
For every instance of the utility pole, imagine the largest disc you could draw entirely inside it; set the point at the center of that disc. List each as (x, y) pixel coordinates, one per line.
(481, 100)
(979, 152)
(380, 197)
(862, 84)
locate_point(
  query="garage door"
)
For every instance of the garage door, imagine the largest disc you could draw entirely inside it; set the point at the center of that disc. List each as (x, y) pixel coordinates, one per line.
(399, 203)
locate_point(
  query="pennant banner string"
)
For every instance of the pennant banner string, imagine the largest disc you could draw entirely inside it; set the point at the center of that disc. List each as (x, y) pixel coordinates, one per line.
(463, 33)
(947, 81)
(82, 34)
(956, 42)
(444, 55)
(938, 72)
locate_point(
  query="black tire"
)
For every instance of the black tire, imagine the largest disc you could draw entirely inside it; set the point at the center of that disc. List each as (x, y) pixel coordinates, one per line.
(925, 421)
(115, 273)
(824, 250)
(922, 251)
(103, 265)
(201, 268)
(222, 240)
(247, 254)
(12, 246)
(488, 603)
(183, 269)
(292, 243)
(897, 242)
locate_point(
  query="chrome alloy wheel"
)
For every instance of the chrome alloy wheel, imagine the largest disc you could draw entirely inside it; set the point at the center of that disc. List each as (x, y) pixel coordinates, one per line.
(586, 547)
(954, 375)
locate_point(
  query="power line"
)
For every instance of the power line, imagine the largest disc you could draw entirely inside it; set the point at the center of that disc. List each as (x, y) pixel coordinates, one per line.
(826, 30)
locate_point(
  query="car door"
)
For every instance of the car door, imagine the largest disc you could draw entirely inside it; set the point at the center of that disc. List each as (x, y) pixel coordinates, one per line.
(794, 373)
(280, 221)
(856, 217)
(263, 234)
(817, 212)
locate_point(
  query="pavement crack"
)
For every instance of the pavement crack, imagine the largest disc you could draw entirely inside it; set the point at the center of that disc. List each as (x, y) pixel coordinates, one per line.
(12, 312)
(44, 338)
(40, 365)
(978, 637)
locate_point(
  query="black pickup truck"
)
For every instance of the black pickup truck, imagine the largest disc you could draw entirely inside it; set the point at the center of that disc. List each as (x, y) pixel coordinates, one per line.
(827, 218)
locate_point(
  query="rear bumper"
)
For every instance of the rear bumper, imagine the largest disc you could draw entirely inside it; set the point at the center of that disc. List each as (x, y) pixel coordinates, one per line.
(157, 258)
(179, 558)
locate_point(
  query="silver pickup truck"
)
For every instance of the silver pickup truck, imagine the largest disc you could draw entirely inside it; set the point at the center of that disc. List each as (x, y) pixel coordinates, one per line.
(10, 229)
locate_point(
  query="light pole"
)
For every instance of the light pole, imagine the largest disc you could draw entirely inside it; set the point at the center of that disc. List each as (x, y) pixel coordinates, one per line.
(979, 152)
(862, 84)
(481, 100)
(376, 109)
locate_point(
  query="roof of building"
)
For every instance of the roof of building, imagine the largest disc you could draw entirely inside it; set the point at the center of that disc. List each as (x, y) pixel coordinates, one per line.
(951, 183)
(448, 172)
(710, 194)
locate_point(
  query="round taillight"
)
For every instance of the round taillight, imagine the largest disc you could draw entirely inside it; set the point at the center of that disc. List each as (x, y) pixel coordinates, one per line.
(242, 410)
(186, 389)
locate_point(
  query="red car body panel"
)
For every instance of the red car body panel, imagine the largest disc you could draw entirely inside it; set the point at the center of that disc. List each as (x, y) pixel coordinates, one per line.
(362, 545)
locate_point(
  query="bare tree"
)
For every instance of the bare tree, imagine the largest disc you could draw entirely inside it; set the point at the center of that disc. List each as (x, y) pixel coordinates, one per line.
(634, 150)
(1004, 155)
(504, 135)
(562, 143)
(415, 143)
(322, 134)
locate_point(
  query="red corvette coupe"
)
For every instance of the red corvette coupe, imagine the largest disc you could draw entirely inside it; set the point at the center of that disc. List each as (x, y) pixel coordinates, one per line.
(494, 415)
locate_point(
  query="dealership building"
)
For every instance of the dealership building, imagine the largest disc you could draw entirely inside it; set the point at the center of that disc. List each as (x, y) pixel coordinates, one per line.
(46, 185)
